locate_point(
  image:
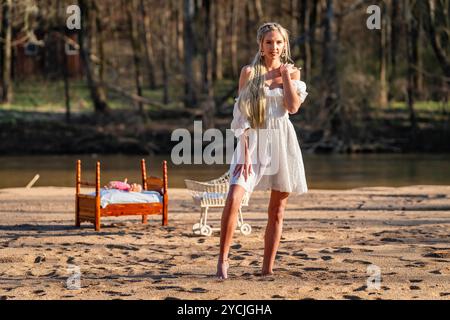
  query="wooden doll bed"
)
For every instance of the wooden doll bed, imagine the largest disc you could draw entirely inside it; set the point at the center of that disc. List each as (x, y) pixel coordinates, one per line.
(87, 207)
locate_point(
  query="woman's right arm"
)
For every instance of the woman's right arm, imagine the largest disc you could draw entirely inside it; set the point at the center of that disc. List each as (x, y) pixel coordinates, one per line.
(243, 78)
(240, 124)
(245, 167)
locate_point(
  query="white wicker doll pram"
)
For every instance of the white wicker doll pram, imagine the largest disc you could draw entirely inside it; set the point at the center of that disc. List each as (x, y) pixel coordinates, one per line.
(212, 194)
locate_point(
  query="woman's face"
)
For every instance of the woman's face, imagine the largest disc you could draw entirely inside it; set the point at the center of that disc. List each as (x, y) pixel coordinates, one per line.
(273, 44)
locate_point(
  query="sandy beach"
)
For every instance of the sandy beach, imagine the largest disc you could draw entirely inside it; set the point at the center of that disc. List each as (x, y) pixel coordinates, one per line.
(333, 242)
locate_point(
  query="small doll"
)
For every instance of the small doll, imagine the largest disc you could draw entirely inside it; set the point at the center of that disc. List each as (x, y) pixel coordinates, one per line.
(124, 186)
(135, 187)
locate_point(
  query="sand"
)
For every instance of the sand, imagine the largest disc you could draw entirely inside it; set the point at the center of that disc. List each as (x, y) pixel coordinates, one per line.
(334, 242)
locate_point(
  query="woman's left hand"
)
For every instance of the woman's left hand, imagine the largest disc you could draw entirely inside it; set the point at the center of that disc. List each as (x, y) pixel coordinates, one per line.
(287, 69)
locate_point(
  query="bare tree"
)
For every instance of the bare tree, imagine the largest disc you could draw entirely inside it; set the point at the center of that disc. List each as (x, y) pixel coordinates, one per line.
(64, 70)
(89, 10)
(235, 9)
(249, 26)
(259, 11)
(130, 9)
(148, 44)
(208, 103)
(311, 63)
(436, 25)
(331, 84)
(383, 98)
(393, 43)
(218, 43)
(410, 63)
(165, 50)
(6, 34)
(179, 31)
(293, 24)
(190, 99)
(305, 46)
(416, 24)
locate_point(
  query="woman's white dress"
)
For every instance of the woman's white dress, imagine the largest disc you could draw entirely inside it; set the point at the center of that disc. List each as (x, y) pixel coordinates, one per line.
(275, 153)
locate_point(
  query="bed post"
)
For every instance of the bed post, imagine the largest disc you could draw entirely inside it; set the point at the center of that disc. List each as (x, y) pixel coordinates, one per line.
(165, 195)
(97, 197)
(144, 185)
(77, 187)
(144, 175)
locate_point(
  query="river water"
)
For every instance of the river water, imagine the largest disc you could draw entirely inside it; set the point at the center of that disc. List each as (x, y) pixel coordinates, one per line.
(323, 171)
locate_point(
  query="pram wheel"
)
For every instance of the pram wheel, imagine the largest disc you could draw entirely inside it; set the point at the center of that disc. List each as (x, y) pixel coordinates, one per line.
(246, 229)
(196, 228)
(206, 231)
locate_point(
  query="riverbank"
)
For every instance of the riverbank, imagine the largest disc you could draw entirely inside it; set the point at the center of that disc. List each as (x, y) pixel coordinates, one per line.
(333, 241)
(124, 131)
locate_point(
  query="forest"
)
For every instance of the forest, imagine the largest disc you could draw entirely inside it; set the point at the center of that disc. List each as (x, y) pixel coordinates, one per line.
(377, 72)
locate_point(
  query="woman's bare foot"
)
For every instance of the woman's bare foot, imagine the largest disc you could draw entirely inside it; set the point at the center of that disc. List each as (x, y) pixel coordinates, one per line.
(222, 269)
(266, 273)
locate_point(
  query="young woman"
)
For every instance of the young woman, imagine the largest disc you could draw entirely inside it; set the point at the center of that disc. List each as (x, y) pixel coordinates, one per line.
(267, 156)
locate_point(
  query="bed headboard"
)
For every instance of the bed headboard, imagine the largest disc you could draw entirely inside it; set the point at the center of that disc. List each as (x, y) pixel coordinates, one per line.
(153, 183)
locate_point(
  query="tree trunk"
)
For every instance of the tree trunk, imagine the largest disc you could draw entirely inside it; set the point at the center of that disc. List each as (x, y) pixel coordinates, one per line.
(66, 85)
(98, 94)
(248, 16)
(234, 38)
(432, 25)
(180, 31)
(218, 52)
(148, 45)
(293, 8)
(115, 44)
(165, 16)
(410, 65)
(190, 99)
(303, 9)
(208, 104)
(130, 8)
(208, 88)
(395, 30)
(383, 98)
(305, 47)
(311, 63)
(259, 11)
(333, 123)
(415, 51)
(100, 43)
(7, 92)
(63, 68)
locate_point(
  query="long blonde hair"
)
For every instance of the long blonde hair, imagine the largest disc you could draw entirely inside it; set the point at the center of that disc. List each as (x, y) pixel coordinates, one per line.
(252, 99)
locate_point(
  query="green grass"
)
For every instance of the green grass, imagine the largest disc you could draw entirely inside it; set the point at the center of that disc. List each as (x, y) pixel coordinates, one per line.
(48, 96)
(43, 96)
(433, 106)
